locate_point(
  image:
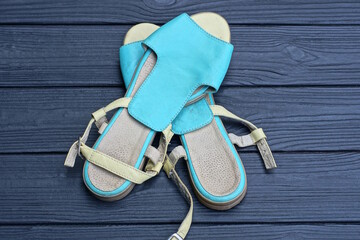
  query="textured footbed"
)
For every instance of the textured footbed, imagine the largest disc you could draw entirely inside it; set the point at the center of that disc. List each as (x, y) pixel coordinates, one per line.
(213, 161)
(123, 141)
(215, 165)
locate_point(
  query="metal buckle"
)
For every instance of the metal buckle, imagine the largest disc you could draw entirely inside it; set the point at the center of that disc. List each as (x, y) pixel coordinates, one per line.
(78, 150)
(175, 235)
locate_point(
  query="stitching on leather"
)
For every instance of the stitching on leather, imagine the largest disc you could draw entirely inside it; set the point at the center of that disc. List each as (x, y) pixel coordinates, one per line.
(143, 84)
(92, 152)
(203, 82)
(139, 118)
(196, 127)
(112, 170)
(131, 43)
(120, 162)
(208, 34)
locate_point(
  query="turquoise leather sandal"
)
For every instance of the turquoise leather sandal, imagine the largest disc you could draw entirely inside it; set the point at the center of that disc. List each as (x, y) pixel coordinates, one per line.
(166, 76)
(173, 66)
(217, 173)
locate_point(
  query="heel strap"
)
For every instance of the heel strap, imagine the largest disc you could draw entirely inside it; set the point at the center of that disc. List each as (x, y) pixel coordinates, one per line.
(169, 168)
(100, 120)
(116, 166)
(256, 136)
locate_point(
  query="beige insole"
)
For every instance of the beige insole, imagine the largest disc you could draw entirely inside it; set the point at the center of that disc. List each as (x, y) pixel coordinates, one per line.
(124, 140)
(213, 161)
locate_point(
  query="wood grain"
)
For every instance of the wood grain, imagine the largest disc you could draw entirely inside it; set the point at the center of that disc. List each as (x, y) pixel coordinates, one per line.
(295, 73)
(294, 119)
(219, 231)
(236, 12)
(37, 56)
(307, 187)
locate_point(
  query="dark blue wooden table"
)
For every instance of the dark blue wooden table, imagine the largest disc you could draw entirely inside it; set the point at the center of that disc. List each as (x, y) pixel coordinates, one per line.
(295, 72)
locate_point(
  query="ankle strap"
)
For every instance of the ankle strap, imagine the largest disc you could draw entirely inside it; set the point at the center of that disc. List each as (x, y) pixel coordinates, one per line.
(117, 166)
(169, 168)
(256, 137)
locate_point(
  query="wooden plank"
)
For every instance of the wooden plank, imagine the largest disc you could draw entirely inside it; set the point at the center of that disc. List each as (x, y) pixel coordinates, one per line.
(266, 56)
(294, 119)
(240, 12)
(307, 187)
(244, 231)
(60, 56)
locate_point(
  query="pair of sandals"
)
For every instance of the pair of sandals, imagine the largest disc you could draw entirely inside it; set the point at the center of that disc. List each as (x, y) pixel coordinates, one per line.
(170, 73)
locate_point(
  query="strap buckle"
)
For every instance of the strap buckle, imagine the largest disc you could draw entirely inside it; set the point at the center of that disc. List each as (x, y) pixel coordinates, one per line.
(78, 148)
(175, 235)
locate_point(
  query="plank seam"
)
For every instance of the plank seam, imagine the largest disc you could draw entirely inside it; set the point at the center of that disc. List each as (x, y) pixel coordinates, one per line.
(94, 224)
(161, 23)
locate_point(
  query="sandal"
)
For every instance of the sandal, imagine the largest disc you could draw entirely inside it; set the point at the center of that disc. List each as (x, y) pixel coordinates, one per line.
(217, 173)
(162, 83)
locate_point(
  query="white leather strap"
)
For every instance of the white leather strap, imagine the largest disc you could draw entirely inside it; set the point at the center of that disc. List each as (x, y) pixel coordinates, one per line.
(249, 139)
(153, 154)
(74, 149)
(241, 141)
(256, 136)
(100, 120)
(102, 127)
(169, 168)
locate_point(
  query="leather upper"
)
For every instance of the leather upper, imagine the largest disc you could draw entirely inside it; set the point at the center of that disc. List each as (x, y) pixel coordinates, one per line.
(187, 58)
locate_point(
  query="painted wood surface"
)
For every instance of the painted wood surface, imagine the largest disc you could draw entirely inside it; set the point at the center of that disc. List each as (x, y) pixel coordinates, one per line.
(162, 231)
(294, 119)
(295, 72)
(307, 187)
(160, 11)
(264, 56)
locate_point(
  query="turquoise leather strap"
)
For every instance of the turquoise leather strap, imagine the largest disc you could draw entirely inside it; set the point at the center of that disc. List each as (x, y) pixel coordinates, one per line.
(187, 58)
(130, 56)
(191, 117)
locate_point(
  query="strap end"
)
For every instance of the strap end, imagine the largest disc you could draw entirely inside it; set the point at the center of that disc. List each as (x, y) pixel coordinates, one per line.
(175, 236)
(168, 166)
(71, 156)
(69, 164)
(266, 154)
